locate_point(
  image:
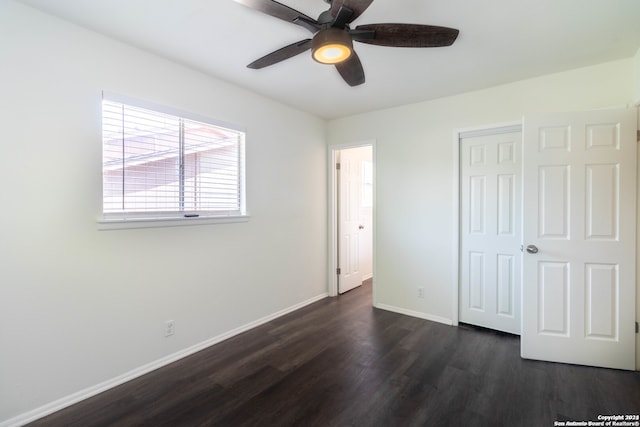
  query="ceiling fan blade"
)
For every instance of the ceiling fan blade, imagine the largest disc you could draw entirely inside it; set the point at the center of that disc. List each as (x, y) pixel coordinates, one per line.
(283, 12)
(356, 6)
(408, 35)
(351, 70)
(281, 54)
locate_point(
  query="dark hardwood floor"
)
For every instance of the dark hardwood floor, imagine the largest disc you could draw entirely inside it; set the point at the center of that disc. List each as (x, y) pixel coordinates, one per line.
(340, 362)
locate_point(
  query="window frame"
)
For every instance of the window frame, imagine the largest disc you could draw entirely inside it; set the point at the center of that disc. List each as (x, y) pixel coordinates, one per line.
(124, 220)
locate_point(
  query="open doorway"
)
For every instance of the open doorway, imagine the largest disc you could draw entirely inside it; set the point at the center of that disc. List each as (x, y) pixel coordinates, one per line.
(352, 216)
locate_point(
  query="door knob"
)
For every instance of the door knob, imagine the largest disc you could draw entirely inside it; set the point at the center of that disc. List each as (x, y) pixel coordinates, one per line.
(532, 249)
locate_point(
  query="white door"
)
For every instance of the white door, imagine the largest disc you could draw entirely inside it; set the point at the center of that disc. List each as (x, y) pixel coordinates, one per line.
(366, 213)
(579, 229)
(490, 231)
(349, 196)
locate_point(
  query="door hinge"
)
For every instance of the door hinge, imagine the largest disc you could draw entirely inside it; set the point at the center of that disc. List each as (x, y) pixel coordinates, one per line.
(636, 327)
(337, 166)
(338, 270)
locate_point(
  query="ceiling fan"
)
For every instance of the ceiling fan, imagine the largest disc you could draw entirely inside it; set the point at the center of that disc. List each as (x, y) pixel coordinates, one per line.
(332, 42)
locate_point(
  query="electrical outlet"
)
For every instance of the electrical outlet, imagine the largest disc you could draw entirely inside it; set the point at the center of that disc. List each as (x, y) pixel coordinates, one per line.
(420, 292)
(169, 328)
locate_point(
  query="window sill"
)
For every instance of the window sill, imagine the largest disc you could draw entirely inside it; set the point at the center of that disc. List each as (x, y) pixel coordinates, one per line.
(123, 224)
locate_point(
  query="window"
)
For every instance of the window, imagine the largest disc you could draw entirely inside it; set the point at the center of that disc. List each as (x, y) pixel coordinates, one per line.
(159, 165)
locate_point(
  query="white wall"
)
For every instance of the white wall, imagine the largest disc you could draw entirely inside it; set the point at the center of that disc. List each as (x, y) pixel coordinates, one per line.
(415, 164)
(636, 74)
(80, 306)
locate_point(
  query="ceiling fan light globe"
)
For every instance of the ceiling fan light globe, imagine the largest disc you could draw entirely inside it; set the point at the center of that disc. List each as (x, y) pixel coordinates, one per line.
(331, 46)
(332, 54)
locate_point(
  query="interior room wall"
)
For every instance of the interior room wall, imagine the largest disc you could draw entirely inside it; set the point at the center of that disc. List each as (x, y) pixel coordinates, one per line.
(415, 160)
(636, 74)
(78, 306)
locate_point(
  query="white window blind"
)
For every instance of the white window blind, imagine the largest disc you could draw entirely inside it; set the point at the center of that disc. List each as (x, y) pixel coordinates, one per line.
(162, 165)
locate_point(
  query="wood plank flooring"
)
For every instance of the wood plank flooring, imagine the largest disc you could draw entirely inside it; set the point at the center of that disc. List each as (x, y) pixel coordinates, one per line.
(340, 362)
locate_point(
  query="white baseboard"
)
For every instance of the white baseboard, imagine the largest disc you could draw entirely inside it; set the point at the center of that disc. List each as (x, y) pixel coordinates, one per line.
(412, 313)
(74, 398)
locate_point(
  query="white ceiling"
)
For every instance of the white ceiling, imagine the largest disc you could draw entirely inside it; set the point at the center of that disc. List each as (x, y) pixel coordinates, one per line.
(500, 41)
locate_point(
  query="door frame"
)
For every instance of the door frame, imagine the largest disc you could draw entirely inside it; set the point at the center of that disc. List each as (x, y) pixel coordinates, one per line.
(332, 214)
(458, 135)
